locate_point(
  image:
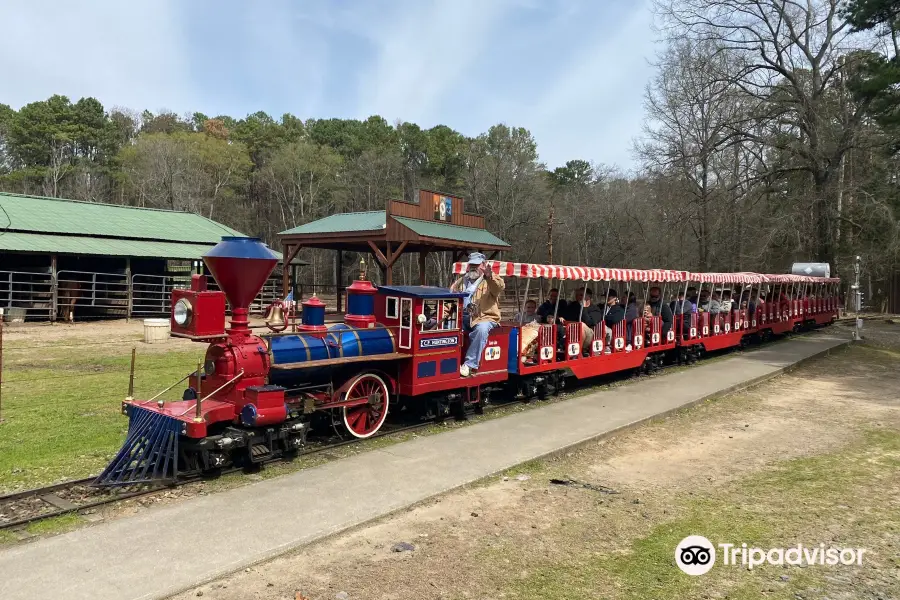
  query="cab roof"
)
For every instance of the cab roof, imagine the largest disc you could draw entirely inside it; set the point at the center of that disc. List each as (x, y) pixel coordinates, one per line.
(419, 291)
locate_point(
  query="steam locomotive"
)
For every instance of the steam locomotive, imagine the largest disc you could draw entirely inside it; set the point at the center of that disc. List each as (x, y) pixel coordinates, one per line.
(257, 396)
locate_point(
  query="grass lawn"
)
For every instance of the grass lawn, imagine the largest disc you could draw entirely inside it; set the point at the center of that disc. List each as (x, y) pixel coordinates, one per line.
(779, 507)
(62, 406)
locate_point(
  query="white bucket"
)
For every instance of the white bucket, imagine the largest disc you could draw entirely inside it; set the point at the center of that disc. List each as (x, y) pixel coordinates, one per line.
(156, 330)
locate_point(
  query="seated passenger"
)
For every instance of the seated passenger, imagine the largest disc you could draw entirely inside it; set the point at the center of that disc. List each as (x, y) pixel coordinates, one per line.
(715, 304)
(613, 314)
(482, 306)
(632, 312)
(681, 306)
(691, 296)
(727, 303)
(660, 309)
(530, 315)
(548, 308)
(430, 322)
(703, 301)
(589, 314)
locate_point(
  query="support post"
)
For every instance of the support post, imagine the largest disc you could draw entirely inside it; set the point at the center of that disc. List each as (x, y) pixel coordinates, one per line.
(423, 264)
(54, 289)
(857, 300)
(288, 254)
(388, 266)
(338, 278)
(130, 396)
(130, 289)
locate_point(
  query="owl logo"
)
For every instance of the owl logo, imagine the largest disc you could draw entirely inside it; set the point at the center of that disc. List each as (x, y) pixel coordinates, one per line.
(492, 353)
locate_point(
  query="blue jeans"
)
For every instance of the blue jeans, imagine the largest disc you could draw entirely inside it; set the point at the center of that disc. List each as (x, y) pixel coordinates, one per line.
(478, 339)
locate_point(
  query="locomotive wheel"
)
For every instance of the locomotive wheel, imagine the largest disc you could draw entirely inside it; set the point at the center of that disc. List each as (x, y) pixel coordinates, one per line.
(364, 420)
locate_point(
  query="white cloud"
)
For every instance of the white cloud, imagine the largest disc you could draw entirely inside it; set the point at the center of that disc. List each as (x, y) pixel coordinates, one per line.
(123, 53)
(424, 53)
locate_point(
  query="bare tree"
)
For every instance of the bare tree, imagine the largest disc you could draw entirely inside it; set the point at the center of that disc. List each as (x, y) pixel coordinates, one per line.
(790, 53)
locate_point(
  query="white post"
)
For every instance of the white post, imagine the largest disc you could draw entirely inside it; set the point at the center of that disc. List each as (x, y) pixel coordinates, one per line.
(857, 297)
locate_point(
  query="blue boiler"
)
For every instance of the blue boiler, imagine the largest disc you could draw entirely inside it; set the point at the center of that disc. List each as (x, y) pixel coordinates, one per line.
(341, 341)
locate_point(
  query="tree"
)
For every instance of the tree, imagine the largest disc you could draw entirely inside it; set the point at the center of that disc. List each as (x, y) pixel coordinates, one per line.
(789, 55)
(303, 177)
(879, 76)
(185, 171)
(7, 115)
(693, 115)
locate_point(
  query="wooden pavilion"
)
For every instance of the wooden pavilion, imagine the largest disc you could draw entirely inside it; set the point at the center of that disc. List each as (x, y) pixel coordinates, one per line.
(436, 223)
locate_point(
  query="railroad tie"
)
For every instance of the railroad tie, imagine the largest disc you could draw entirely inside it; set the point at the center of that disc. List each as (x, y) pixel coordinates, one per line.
(60, 503)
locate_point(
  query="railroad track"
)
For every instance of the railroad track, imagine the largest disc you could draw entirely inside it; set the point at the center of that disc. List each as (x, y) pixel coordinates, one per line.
(38, 504)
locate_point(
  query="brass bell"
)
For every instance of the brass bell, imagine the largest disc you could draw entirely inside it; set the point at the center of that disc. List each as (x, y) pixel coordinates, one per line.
(275, 316)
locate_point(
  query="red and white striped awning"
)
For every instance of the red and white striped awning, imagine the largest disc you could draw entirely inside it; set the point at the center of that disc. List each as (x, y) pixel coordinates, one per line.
(727, 277)
(531, 270)
(788, 278)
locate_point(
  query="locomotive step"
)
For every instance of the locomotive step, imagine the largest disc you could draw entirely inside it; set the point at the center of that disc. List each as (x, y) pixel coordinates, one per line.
(259, 453)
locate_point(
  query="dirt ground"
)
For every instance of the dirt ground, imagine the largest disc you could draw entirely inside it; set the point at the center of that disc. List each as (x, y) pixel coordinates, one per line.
(823, 437)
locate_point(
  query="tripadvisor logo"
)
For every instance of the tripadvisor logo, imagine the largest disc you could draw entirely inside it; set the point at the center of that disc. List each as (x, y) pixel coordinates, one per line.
(696, 555)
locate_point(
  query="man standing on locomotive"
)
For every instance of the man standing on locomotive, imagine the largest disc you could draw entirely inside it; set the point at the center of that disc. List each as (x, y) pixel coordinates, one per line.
(481, 306)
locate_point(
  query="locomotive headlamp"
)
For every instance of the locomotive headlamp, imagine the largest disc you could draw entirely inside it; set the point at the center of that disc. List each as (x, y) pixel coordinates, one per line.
(182, 312)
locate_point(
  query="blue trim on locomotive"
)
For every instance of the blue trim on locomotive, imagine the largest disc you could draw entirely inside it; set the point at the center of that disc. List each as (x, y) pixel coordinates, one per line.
(449, 365)
(360, 304)
(426, 369)
(314, 315)
(419, 291)
(512, 364)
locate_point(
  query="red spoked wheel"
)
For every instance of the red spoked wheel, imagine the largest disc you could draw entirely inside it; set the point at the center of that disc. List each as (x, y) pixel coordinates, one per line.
(364, 420)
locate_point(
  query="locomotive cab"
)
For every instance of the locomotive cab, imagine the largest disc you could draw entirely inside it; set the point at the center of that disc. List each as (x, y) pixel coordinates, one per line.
(430, 329)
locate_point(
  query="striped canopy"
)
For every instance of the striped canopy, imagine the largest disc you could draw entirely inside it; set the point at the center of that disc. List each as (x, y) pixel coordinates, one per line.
(531, 270)
(787, 278)
(727, 277)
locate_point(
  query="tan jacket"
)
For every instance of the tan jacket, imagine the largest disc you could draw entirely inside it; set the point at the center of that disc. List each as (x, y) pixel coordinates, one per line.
(486, 298)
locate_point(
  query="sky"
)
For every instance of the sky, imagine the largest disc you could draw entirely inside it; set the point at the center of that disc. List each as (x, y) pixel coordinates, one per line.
(573, 72)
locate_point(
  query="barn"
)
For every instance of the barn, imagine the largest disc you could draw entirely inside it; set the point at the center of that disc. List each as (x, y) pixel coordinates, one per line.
(73, 260)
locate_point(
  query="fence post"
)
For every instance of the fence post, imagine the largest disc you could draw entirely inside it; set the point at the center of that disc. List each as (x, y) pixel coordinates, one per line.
(130, 289)
(54, 289)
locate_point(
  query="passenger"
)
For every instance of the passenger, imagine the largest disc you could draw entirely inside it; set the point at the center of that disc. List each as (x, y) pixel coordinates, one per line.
(546, 310)
(632, 312)
(530, 315)
(682, 306)
(715, 304)
(613, 314)
(703, 302)
(591, 316)
(482, 308)
(430, 322)
(692, 296)
(726, 302)
(660, 309)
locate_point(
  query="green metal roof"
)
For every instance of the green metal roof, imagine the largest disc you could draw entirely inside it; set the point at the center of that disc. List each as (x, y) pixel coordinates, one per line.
(374, 221)
(13, 241)
(444, 231)
(342, 222)
(55, 226)
(71, 217)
